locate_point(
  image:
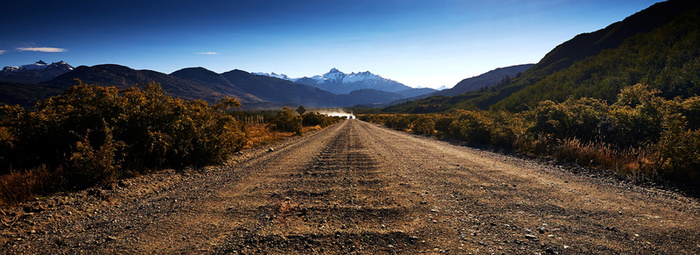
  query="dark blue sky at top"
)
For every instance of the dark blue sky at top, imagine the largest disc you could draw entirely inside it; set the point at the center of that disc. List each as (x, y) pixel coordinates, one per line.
(420, 43)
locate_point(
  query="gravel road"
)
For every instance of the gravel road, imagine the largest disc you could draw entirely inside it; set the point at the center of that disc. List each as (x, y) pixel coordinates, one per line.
(356, 187)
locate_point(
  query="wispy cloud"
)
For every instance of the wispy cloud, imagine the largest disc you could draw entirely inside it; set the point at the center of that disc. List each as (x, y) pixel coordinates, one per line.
(2, 52)
(207, 53)
(43, 49)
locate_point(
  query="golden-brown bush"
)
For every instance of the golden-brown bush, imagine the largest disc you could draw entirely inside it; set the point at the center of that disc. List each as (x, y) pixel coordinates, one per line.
(96, 134)
(286, 121)
(424, 125)
(642, 134)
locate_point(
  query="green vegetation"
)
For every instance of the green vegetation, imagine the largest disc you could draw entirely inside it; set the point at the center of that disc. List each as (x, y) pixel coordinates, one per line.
(642, 134)
(25, 95)
(311, 119)
(91, 135)
(286, 121)
(657, 47)
(575, 104)
(667, 59)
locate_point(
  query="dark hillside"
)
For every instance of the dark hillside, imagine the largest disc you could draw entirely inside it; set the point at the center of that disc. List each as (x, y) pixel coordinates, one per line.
(278, 90)
(657, 46)
(667, 59)
(122, 77)
(590, 44)
(25, 95)
(215, 81)
(485, 80)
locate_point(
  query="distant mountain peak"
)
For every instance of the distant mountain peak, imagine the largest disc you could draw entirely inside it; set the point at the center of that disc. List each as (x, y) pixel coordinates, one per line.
(33, 73)
(339, 82)
(39, 65)
(275, 75)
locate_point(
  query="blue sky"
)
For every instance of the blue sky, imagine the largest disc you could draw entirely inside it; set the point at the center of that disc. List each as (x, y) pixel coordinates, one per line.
(426, 43)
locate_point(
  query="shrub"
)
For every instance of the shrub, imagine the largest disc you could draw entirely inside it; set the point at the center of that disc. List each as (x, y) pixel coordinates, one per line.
(286, 121)
(90, 163)
(505, 129)
(442, 126)
(641, 134)
(424, 125)
(397, 122)
(472, 126)
(317, 119)
(549, 118)
(639, 116)
(373, 118)
(18, 186)
(677, 156)
(690, 109)
(97, 133)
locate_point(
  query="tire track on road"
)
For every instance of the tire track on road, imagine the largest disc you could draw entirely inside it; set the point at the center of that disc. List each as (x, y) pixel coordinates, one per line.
(359, 188)
(338, 203)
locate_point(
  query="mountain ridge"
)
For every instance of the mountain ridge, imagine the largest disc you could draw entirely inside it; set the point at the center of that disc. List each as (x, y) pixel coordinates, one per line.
(253, 91)
(598, 64)
(34, 73)
(338, 82)
(485, 80)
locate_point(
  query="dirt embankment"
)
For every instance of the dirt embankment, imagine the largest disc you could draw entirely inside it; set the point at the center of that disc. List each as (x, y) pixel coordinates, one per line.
(359, 188)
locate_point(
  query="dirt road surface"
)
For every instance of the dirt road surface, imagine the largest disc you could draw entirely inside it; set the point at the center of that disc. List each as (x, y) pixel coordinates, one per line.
(359, 188)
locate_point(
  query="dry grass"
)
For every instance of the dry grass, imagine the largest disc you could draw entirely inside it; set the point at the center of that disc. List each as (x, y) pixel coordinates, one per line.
(587, 154)
(633, 162)
(22, 186)
(259, 135)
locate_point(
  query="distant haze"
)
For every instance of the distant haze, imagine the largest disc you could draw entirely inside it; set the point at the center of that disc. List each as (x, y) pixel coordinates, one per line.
(336, 113)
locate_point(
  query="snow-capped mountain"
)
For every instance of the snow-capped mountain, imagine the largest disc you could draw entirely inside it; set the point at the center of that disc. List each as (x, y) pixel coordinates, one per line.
(341, 83)
(34, 73)
(39, 65)
(273, 74)
(334, 75)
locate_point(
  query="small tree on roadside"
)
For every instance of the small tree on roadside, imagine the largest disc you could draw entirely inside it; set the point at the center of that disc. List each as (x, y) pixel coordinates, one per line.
(286, 121)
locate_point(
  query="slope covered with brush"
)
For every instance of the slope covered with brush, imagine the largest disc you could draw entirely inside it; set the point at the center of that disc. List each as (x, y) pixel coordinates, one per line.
(657, 46)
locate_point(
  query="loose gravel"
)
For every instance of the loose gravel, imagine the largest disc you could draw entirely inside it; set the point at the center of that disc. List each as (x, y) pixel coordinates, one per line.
(359, 188)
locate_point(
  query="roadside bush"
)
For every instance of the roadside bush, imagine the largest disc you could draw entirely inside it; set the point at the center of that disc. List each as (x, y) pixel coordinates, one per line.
(317, 119)
(505, 129)
(93, 164)
(690, 109)
(677, 156)
(639, 116)
(442, 127)
(97, 134)
(397, 122)
(424, 125)
(549, 118)
(372, 118)
(472, 127)
(641, 134)
(23, 185)
(286, 121)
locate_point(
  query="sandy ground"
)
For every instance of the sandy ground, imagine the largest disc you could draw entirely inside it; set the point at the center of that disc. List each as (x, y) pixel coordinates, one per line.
(359, 188)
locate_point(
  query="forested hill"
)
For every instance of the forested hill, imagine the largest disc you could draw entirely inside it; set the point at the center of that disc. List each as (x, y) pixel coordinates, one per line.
(657, 46)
